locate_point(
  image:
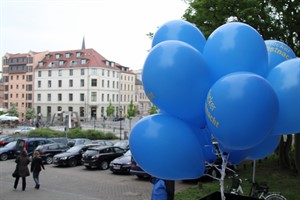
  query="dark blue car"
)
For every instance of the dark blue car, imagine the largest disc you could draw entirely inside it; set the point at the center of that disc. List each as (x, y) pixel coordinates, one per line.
(8, 151)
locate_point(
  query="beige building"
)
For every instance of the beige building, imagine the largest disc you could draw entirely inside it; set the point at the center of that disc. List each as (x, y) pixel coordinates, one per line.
(18, 76)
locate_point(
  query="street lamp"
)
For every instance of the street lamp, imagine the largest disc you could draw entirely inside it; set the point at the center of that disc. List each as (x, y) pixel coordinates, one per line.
(120, 110)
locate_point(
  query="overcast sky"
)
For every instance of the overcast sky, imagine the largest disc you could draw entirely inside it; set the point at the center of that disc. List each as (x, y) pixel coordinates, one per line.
(114, 28)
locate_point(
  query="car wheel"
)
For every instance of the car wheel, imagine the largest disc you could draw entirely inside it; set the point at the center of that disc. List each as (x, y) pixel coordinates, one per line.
(104, 165)
(3, 156)
(49, 160)
(72, 162)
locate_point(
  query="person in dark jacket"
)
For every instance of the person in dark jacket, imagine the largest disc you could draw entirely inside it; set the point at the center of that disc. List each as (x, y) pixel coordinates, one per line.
(36, 167)
(22, 169)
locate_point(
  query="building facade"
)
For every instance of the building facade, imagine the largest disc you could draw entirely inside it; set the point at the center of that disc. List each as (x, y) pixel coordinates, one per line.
(18, 76)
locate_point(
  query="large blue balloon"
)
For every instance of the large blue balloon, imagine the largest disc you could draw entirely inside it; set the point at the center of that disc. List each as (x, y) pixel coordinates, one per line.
(264, 148)
(277, 53)
(235, 47)
(176, 79)
(166, 147)
(208, 148)
(241, 110)
(180, 30)
(285, 79)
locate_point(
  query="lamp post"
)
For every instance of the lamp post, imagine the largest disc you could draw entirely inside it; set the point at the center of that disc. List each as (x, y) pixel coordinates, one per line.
(120, 110)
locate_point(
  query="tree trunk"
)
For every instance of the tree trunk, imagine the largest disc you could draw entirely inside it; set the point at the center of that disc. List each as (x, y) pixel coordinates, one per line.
(297, 153)
(284, 151)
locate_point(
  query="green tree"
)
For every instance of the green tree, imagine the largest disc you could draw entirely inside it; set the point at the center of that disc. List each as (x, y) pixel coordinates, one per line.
(131, 112)
(30, 114)
(110, 110)
(153, 110)
(13, 111)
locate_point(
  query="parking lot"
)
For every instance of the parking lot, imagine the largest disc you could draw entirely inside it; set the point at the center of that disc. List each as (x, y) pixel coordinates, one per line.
(76, 183)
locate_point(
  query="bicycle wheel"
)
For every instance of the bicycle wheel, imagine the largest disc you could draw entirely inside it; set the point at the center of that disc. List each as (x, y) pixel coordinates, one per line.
(275, 197)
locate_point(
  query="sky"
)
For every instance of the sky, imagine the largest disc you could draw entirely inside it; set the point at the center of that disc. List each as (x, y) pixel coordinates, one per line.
(114, 28)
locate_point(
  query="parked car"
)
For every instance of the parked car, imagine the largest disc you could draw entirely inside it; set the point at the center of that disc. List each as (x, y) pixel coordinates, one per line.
(100, 157)
(102, 142)
(8, 151)
(72, 157)
(30, 144)
(24, 130)
(78, 141)
(124, 144)
(8, 139)
(62, 140)
(135, 169)
(8, 118)
(121, 164)
(47, 151)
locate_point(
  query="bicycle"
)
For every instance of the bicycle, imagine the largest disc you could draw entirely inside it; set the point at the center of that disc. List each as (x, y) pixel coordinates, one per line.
(259, 191)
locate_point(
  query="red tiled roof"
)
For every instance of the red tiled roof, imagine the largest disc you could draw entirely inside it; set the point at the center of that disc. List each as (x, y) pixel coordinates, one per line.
(92, 57)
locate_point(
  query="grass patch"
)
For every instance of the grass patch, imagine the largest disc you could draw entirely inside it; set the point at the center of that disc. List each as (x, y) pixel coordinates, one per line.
(267, 170)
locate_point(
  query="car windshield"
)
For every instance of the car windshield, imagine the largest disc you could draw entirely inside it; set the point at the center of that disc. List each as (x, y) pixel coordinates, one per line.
(11, 144)
(40, 147)
(74, 149)
(128, 153)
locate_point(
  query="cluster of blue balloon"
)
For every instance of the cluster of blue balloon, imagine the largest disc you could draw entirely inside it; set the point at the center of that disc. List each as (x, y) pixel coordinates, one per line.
(233, 87)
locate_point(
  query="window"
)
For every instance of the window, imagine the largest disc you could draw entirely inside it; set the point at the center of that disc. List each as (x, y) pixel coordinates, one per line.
(83, 61)
(61, 63)
(107, 97)
(78, 54)
(102, 97)
(94, 82)
(49, 73)
(70, 97)
(57, 56)
(59, 97)
(68, 55)
(41, 64)
(70, 83)
(49, 84)
(39, 73)
(94, 97)
(60, 72)
(81, 82)
(107, 83)
(71, 72)
(81, 97)
(82, 72)
(59, 83)
(94, 71)
(39, 84)
(49, 97)
(103, 83)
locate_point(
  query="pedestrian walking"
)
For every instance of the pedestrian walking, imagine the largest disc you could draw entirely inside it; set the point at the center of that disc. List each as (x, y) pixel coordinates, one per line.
(36, 167)
(21, 169)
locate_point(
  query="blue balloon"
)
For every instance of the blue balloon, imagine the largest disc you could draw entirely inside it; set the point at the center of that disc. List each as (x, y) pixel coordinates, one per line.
(176, 79)
(208, 148)
(236, 157)
(235, 47)
(285, 79)
(277, 53)
(180, 30)
(166, 147)
(264, 148)
(241, 110)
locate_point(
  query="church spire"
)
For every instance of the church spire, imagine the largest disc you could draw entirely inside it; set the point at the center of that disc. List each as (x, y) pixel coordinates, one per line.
(83, 44)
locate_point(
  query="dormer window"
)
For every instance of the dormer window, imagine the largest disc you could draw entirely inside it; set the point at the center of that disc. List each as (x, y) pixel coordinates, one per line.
(48, 56)
(41, 64)
(83, 61)
(78, 54)
(57, 56)
(68, 55)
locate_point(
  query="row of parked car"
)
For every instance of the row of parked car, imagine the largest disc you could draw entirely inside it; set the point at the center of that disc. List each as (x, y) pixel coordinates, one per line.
(100, 154)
